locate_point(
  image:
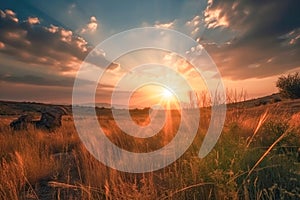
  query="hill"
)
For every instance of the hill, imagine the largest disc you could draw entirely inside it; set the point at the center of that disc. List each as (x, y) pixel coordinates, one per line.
(17, 108)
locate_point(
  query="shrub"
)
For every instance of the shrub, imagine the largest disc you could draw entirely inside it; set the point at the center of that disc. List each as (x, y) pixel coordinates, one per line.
(289, 86)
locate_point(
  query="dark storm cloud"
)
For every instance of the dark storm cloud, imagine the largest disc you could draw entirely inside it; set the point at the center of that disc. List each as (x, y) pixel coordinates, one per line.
(266, 40)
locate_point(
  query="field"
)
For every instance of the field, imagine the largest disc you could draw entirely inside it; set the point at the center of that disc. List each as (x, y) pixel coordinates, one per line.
(256, 157)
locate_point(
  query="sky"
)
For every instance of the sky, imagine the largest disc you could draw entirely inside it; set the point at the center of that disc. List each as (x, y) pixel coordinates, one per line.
(44, 43)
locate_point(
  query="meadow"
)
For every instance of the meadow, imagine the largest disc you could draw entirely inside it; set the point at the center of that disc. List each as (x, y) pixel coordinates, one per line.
(256, 157)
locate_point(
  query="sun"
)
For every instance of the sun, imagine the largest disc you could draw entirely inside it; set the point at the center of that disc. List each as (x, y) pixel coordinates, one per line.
(168, 99)
(167, 94)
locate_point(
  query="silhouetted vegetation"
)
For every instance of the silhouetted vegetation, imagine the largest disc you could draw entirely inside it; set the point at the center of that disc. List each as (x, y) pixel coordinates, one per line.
(289, 86)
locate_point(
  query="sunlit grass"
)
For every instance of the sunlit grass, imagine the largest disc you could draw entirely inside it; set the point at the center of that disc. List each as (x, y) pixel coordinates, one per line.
(253, 159)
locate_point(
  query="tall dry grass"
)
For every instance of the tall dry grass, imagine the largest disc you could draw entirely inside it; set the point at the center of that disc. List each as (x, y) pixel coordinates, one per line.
(254, 158)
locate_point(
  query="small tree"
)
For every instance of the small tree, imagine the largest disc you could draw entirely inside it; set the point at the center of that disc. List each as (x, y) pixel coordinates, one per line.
(289, 86)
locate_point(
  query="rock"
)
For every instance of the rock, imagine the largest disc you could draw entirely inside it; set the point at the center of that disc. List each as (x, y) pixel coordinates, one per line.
(22, 122)
(50, 119)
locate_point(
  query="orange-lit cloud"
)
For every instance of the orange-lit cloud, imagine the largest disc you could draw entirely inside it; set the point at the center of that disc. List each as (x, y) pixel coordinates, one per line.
(214, 18)
(250, 41)
(263, 42)
(9, 14)
(41, 55)
(91, 27)
(2, 45)
(194, 24)
(33, 20)
(53, 46)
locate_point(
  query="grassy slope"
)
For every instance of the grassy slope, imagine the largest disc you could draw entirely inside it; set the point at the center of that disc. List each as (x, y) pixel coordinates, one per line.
(243, 164)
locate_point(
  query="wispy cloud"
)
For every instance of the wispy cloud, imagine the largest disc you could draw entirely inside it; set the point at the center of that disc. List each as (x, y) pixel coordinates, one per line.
(169, 25)
(71, 8)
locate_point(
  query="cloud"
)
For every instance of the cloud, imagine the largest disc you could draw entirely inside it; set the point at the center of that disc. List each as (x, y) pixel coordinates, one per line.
(9, 14)
(215, 18)
(194, 25)
(2, 46)
(291, 38)
(170, 25)
(178, 63)
(71, 8)
(33, 20)
(195, 21)
(53, 50)
(253, 17)
(91, 27)
(264, 37)
(52, 46)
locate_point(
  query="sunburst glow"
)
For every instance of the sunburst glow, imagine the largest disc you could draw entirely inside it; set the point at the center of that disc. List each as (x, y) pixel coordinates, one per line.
(167, 94)
(168, 99)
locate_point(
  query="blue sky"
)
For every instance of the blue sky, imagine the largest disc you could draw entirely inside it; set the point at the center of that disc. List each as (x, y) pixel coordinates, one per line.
(114, 16)
(43, 43)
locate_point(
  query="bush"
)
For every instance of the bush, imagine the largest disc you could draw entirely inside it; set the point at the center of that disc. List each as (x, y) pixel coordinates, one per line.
(289, 86)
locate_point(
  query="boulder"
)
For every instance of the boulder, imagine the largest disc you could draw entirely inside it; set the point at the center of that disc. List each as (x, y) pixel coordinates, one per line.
(22, 122)
(50, 120)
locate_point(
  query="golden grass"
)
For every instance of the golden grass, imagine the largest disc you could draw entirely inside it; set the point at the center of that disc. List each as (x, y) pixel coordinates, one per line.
(239, 167)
